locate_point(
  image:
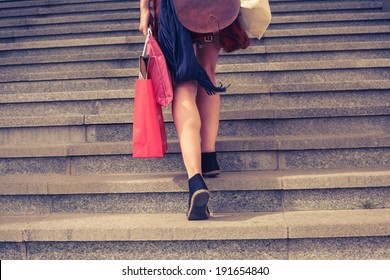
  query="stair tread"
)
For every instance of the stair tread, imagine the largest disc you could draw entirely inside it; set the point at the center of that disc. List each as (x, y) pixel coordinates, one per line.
(227, 68)
(177, 182)
(123, 40)
(276, 7)
(75, 18)
(174, 226)
(233, 89)
(115, 16)
(288, 32)
(66, 96)
(45, 44)
(268, 112)
(30, 3)
(69, 8)
(133, 55)
(224, 144)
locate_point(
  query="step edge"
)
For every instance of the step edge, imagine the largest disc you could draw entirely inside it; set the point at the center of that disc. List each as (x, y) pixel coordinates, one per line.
(279, 180)
(227, 226)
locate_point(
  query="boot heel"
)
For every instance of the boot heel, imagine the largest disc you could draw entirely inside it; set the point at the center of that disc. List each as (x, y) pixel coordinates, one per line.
(210, 167)
(198, 200)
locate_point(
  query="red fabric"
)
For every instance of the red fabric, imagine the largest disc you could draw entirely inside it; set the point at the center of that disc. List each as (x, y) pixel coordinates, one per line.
(158, 72)
(232, 38)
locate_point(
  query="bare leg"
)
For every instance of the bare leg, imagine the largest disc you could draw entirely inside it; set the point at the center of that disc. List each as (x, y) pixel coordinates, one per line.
(208, 105)
(187, 123)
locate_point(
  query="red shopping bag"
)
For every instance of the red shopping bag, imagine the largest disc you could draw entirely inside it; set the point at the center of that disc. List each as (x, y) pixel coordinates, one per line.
(149, 136)
(158, 71)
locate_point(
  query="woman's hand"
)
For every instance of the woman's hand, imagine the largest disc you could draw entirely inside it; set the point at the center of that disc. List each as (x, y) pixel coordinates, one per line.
(146, 21)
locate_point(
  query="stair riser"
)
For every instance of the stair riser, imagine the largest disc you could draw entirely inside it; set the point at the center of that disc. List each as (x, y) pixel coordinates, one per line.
(33, 38)
(130, 60)
(70, 85)
(72, 27)
(229, 161)
(279, 20)
(317, 127)
(280, 105)
(33, 21)
(239, 201)
(131, 26)
(67, 108)
(19, 4)
(357, 248)
(71, 30)
(67, 83)
(264, 128)
(324, 6)
(310, 56)
(69, 67)
(70, 9)
(303, 76)
(72, 51)
(119, 46)
(129, 5)
(271, 37)
(48, 135)
(343, 23)
(269, 41)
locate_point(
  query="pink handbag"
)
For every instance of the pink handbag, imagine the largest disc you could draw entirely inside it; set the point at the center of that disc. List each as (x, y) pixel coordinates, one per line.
(158, 71)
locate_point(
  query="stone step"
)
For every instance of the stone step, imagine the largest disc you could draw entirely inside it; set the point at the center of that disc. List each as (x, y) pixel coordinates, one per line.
(114, 61)
(109, 16)
(31, 3)
(326, 35)
(339, 16)
(354, 41)
(85, 60)
(250, 154)
(358, 234)
(65, 8)
(299, 142)
(253, 191)
(28, 22)
(126, 22)
(271, 72)
(312, 82)
(365, 98)
(102, 116)
(53, 31)
(101, 107)
(266, 101)
(96, 126)
(129, 30)
(51, 47)
(70, 57)
(310, 7)
(70, 8)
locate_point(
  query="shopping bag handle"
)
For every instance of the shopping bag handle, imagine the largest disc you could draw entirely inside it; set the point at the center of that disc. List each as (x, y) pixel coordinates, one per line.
(146, 40)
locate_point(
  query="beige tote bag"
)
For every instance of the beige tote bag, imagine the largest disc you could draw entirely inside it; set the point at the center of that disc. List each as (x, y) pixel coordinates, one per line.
(255, 17)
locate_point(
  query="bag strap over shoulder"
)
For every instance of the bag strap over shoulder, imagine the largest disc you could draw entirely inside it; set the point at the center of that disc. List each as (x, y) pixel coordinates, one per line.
(206, 16)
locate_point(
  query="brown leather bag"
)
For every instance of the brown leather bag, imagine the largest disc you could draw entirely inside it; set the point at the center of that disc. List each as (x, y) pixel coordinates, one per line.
(206, 16)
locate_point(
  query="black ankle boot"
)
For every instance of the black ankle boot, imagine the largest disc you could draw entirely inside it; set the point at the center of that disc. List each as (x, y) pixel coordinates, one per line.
(210, 166)
(199, 197)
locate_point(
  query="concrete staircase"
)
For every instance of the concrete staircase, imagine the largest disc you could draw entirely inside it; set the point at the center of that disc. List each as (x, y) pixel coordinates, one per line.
(304, 139)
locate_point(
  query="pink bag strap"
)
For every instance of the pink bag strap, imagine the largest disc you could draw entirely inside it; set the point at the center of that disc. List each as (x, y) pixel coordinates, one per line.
(146, 41)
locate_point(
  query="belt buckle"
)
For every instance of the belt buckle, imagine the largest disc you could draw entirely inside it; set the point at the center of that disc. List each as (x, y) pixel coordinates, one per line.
(208, 38)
